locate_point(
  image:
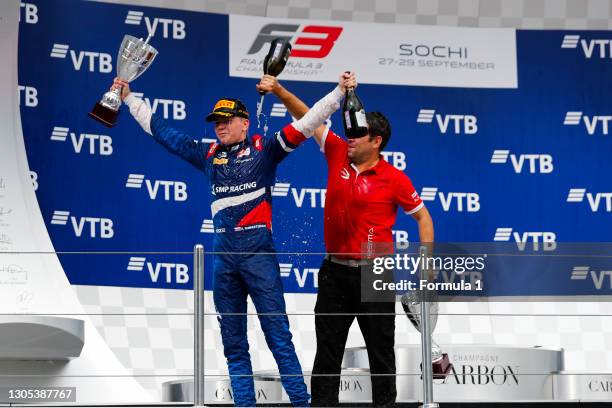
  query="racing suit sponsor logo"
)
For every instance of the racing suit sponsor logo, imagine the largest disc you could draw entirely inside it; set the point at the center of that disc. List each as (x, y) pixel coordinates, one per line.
(234, 189)
(220, 161)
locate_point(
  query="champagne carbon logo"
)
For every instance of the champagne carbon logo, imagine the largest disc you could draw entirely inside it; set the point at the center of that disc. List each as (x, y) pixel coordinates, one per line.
(462, 124)
(582, 273)
(547, 239)
(28, 96)
(91, 60)
(30, 13)
(169, 272)
(101, 145)
(170, 28)
(538, 163)
(595, 124)
(170, 108)
(469, 202)
(597, 201)
(96, 226)
(594, 48)
(172, 190)
(310, 41)
(208, 227)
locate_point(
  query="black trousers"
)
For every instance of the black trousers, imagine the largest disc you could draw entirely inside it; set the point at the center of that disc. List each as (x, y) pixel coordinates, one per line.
(340, 292)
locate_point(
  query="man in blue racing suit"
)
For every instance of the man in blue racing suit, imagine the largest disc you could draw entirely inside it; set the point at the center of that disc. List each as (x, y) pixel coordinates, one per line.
(242, 172)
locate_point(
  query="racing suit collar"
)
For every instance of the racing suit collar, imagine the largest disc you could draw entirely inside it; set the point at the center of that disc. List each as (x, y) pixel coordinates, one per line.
(235, 147)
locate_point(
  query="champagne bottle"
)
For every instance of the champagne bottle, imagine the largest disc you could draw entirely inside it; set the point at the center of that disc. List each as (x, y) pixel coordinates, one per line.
(354, 116)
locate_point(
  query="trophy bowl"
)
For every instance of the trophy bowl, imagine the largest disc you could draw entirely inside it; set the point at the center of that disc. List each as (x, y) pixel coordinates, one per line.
(134, 57)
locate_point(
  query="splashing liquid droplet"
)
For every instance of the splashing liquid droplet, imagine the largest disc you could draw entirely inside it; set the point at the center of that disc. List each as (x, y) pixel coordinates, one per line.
(260, 114)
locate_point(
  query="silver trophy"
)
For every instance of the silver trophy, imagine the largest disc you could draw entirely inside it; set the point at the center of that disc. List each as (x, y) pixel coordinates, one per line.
(134, 57)
(411, 303)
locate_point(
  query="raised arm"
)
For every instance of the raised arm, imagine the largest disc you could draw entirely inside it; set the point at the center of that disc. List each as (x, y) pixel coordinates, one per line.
(296, 107)
(173, 140)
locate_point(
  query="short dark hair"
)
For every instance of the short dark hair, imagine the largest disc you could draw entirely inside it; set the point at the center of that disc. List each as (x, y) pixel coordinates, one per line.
(379, 126)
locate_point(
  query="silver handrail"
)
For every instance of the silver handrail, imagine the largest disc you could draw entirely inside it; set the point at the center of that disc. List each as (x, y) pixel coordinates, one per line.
(198, 326)
(426, 338)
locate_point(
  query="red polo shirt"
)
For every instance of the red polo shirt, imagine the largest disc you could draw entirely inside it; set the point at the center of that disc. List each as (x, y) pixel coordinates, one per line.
(361, 207)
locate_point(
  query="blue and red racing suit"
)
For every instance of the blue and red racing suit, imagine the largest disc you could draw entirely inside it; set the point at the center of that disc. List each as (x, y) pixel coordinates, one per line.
(241, 177)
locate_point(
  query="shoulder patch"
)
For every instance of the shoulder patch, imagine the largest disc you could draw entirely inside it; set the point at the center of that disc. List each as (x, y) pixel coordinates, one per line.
(212, 149)
(258, 142)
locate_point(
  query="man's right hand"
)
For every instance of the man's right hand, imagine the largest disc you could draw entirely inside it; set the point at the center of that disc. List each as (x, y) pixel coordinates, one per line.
(268, 83)
(125, 87)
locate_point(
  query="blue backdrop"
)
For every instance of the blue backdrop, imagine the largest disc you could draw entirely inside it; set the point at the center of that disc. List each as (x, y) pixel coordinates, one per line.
(522, 160)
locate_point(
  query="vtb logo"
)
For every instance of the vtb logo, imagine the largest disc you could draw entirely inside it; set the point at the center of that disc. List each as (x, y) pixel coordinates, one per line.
(30, 13)
(598, 277)
(173, 190)
(595, 48)
(98, 144)
(98, 227)
(94, 61)
(170, 28)
(173, 272)
(462, 124)
(301, 275)
(310, 41)
(596, 200)
(592, 123)
(171, 108)
(397, 159)
(28, 95)
(538, 163)
(469, 202)
(316, 195)
(547, 239)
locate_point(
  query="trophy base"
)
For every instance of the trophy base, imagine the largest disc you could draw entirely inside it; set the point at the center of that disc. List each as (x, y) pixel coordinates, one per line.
(104, 115)
(442, 367)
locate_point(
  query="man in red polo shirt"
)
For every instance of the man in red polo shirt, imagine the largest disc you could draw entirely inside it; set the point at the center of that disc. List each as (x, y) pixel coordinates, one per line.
(363, 195)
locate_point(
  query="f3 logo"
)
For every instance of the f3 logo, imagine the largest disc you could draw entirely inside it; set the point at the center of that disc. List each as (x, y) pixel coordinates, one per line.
(325, 44)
